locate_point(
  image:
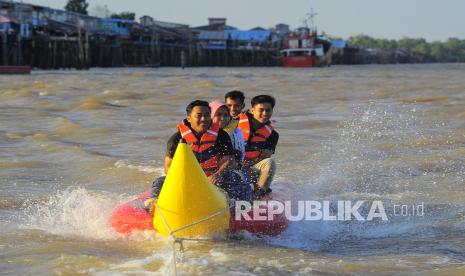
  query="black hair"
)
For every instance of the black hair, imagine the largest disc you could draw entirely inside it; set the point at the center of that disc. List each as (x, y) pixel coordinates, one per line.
(263, 99)
(195, 103)
(235, 95)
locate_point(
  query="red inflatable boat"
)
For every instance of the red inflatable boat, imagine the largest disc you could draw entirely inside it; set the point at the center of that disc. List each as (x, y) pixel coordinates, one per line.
(133, 216)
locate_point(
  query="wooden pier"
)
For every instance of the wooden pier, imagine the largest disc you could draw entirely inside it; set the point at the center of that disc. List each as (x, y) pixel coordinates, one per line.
(54, 52)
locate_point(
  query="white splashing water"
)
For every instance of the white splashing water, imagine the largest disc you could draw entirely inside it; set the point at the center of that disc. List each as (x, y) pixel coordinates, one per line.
(165, 256)
(358, 171)
(73, 212)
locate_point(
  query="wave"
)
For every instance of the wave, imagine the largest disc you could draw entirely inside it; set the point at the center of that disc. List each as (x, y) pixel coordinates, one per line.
(424, 99)
(379, 154)
(22, 164)
(142, 168)
(73, 212)
(205, 84)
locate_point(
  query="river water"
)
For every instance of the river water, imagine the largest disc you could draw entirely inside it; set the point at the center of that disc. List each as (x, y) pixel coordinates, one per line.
(74, 144)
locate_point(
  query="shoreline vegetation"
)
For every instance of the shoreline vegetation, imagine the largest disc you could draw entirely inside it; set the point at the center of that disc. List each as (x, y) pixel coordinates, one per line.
(418, 50)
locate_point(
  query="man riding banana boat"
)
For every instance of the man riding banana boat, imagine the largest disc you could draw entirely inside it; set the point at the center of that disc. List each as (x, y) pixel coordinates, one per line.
(213, 149)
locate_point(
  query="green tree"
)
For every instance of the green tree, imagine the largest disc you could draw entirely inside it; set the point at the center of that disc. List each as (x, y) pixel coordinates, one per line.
(408, 44)
(387, 44)
(422, 49)
(363, 41)
(124, 15)
(453, 50)
(79, 6)
(437, 51)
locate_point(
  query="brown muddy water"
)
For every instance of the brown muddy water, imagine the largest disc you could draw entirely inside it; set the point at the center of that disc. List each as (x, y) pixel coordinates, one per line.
(73, 145)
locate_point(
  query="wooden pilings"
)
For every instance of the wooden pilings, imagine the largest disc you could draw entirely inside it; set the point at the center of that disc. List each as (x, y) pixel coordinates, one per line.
(4, 38)
(82, 52)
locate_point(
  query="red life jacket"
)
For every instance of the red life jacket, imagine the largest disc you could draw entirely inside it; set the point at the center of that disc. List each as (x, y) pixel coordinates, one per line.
(205, 149)
(256, 142)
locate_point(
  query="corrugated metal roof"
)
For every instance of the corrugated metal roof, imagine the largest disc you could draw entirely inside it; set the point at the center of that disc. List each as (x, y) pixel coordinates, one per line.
(163, 31)
(64, 27)
(258, 29)
(249, 35)
(170, 24)
(116, 20)
(213, 35)
(215, 27)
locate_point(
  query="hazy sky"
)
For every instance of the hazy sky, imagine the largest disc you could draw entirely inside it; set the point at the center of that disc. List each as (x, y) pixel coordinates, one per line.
(393, 19)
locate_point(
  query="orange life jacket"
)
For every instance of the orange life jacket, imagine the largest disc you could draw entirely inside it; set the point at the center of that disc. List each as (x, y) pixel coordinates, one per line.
(205, 149)
(256, 142)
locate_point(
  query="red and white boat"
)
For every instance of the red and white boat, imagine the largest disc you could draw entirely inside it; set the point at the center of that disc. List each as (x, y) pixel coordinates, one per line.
(304, 49)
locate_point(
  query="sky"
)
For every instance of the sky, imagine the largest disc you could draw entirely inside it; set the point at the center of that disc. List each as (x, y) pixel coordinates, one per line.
(391, 19)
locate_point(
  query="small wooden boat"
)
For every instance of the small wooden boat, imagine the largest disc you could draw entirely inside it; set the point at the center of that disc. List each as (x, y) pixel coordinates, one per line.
(18, 69)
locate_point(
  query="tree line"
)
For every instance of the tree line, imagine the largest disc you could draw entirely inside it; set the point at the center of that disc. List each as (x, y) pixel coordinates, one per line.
(452, 50)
